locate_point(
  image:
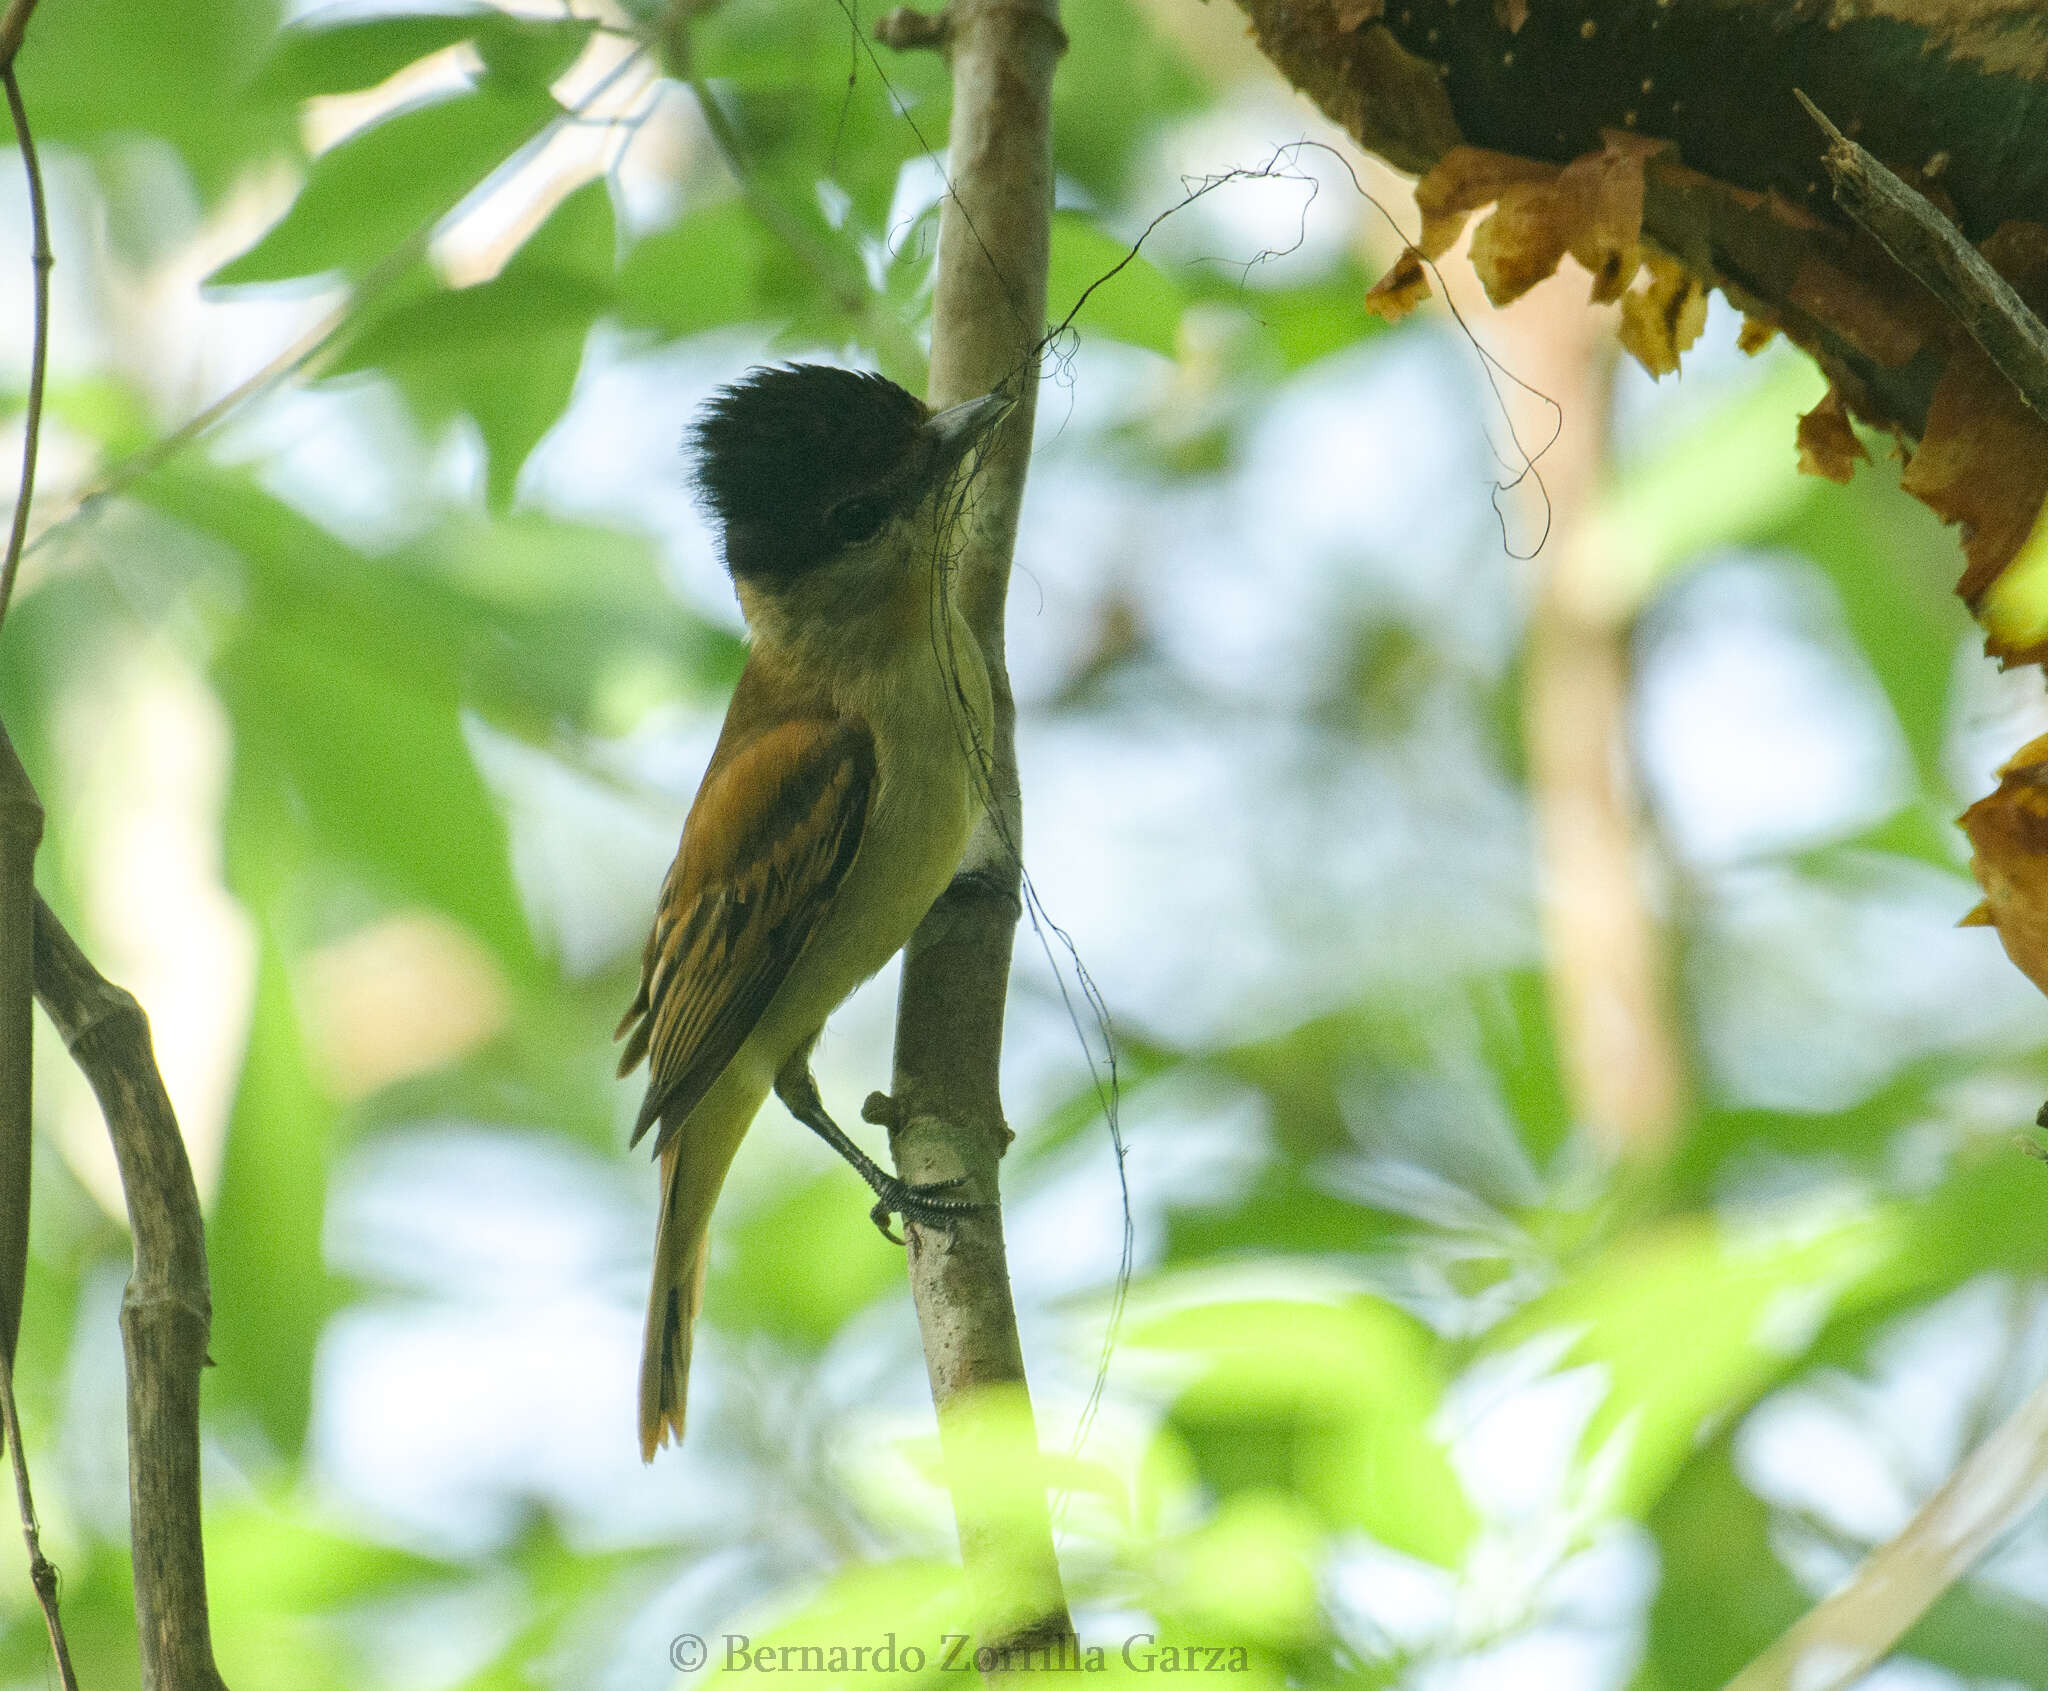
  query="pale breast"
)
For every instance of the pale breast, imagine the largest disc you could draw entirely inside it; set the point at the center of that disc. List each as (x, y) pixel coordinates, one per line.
(932, 726)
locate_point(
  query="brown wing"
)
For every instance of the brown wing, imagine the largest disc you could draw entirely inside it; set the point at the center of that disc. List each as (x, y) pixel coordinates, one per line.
(771, 836)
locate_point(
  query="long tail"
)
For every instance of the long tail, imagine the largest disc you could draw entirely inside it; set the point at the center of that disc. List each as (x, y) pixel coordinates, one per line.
(693, 1167)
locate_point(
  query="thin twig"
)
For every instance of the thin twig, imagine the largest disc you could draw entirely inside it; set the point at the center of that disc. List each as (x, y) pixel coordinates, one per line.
(1834, 1644)
(12, 28)
(40, 346)
(1932, 250)
(41, 1573)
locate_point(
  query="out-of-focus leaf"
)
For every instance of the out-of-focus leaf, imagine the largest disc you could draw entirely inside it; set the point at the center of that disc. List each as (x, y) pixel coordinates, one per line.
(1137, 305)
(1692, 1321)
(271, 1292)
(799, 87)
(1724, 1594)
(1893, 567)
(345, 696)
(897, 1607)
(1120, 82)
(102, 74)
(845, 1264)
(1732, 477)
(367, 196)
(311, 58)
(716, 266)
(506, 351)
(1249, 1574)
(1331, 1401)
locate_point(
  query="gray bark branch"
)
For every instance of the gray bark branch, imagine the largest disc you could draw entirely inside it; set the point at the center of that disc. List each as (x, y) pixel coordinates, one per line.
(165, 1313)
(946, 1116)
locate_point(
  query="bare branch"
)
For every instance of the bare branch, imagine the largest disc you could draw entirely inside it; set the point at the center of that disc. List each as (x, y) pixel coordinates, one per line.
(13, 26)
(42, 1575)
(165, 1314)
(946, 1116)
(1933, 251)
(907, 29)
(42, 259)
(1833, 1645)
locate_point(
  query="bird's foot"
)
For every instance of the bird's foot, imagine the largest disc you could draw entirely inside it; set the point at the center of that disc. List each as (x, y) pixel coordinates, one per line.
(923, 1204)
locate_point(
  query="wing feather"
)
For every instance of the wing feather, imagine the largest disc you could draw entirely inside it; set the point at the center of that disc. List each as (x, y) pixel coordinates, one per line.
(769, 840)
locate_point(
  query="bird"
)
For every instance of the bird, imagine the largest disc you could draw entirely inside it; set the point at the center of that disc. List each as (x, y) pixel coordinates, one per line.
(837, 804)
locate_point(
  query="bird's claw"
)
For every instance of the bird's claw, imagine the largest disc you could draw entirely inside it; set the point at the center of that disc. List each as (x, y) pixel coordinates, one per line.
(921, 1204)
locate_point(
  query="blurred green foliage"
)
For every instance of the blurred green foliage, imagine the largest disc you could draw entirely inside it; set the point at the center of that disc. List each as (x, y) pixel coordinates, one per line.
(1317, 1342)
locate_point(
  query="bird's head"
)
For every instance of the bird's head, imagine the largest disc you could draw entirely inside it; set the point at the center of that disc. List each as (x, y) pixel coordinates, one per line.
(811, 468)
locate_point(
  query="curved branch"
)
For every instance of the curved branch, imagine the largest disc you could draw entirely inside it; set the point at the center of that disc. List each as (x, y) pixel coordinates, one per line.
(165, 1313)
(39, 352)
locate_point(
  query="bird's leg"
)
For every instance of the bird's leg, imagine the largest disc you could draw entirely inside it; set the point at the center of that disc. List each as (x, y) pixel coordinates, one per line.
(922, 1204)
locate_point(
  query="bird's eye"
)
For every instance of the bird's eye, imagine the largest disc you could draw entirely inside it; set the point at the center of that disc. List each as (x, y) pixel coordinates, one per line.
(855, 520)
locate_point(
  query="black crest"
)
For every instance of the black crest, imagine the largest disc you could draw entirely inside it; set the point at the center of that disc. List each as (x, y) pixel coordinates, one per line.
(782, 452)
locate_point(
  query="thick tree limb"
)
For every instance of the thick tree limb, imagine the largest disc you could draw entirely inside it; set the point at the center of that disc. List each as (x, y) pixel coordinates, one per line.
(1932, 250)
(946, 1115)
(164, 1315)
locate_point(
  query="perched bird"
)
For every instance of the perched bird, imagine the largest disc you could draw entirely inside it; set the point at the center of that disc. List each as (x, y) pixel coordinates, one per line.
(837, 804)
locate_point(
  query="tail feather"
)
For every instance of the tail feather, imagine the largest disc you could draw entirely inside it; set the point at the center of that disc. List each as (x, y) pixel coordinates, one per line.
(693, 1168)
(673, 1304)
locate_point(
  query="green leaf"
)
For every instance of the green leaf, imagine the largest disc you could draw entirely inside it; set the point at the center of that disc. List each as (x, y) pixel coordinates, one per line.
(271, 1291)
(718, 265)
(1691, 1321)
(1723, 1595)
(96, 76)
(504, 352)
(375, 191)
(311, 58)
(1119, 82)
(1329, 1401)
(1733, 476)
(344, 685)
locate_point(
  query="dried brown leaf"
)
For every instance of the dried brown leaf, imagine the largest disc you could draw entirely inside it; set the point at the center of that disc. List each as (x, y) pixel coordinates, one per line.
(1462, 181)
(2009, 856)
(1827, 443)
(1592, 209)
(1755, 334)
(1982, 462)
(1660, 321)
(1401, 289)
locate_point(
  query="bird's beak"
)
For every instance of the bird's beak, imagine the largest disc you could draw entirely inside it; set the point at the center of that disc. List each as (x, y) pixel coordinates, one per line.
(956, 431)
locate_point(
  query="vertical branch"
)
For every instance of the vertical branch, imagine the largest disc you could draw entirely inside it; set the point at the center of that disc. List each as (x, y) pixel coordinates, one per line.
(946, 1116)
(40, 1573)
(39, 351)
(1622, 1065)
(165, 1313)
(21, 830)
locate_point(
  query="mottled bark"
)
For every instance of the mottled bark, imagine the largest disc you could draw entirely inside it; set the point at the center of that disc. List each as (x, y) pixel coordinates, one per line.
(946, 1115)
